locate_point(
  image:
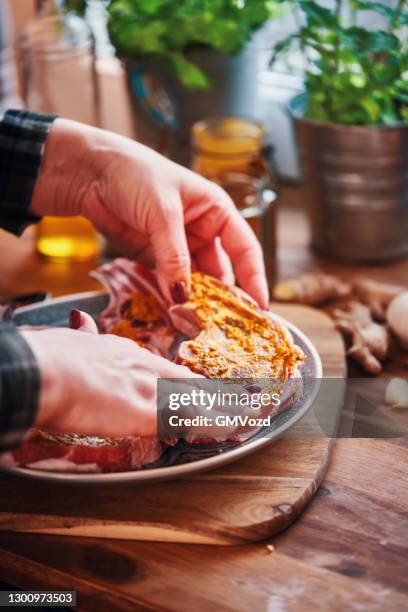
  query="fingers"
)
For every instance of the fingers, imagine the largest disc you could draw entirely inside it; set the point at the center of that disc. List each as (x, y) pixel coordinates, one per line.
(170, 250)
(165, 368)
(212, 259)
(82, 322)
(211, 213)
(246, 256)
(141, 359)
(173, 370)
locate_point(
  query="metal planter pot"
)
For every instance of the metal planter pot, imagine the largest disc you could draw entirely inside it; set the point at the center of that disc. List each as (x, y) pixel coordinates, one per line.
(355, 181)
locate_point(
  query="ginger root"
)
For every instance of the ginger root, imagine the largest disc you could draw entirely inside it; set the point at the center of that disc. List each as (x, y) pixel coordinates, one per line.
(366, 301)
(376, 295)
(369, 340)
(312, 289)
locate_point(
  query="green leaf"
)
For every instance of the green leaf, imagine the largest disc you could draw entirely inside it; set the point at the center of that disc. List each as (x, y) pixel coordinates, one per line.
(282, 47)
(318, 15)
(76, 6)
(150, 7)
(190, 75)
(388, 117)
(403, 18)
(358, 80)
(390, 12)
(402, 97)
(386, 73)
(378, 7)
(364, 41)
(372, 109)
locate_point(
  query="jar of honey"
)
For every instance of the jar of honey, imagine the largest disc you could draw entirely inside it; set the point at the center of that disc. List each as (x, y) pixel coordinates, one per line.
(230, 151)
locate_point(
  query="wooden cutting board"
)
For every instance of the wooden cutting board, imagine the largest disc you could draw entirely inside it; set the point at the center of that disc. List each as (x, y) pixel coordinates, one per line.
(244, 502)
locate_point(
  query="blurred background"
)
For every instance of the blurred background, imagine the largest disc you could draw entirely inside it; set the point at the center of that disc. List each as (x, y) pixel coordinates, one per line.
(262, 96)
(244, 85)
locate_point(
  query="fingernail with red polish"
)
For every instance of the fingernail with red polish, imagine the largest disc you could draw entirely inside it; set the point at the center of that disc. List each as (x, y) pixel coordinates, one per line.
(75, 319)
(178, 292)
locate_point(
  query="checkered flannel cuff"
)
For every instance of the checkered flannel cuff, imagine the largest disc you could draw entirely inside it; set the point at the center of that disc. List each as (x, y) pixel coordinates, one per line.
(19, 386)
(22, 138)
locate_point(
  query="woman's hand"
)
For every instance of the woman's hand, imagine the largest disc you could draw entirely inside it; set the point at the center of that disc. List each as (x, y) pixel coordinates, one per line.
(155, 210)
(100, 385)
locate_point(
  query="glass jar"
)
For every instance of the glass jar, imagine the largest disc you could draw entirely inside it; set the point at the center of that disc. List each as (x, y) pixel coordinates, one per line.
(230, 152)
(59, 77)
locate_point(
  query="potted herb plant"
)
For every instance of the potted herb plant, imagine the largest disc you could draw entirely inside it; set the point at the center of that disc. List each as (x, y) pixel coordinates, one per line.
(352, 125)
(185, 60)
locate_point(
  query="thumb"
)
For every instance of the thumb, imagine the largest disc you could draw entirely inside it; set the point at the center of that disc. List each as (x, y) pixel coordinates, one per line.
(82, 322)
(171, 254)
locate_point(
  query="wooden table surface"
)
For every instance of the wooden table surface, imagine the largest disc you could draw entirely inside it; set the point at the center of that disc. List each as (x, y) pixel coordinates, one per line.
(347, 551)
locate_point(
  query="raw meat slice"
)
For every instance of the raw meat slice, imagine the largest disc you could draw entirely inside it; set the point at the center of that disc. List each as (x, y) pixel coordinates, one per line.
(58, 452)
(122, 278)
(136, 308)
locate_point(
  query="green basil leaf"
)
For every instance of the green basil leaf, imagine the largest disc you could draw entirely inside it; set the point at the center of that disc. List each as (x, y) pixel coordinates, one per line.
(189, 74)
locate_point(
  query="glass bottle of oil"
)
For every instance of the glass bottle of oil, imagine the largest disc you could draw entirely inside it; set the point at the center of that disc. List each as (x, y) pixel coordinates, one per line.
(56, 53)
(229, 151)
(67, 239)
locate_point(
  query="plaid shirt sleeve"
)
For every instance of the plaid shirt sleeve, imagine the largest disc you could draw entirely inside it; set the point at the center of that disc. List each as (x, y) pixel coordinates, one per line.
(22, 138)
(19, 386)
